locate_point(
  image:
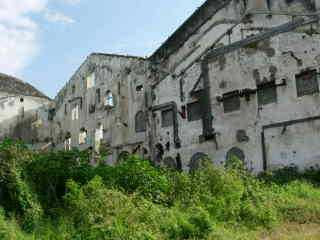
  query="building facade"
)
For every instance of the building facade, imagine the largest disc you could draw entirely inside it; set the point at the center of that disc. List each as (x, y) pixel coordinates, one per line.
(238, 78)
(103, 106)
(243, 77)
(25, 113)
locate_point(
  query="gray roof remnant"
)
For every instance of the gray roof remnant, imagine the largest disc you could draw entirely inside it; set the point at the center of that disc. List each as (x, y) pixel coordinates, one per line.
(117, 55)
(14, 85)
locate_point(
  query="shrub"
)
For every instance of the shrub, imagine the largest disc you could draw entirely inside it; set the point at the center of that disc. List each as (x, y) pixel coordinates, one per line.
(137, 175)
(50, 171)
(17, 194)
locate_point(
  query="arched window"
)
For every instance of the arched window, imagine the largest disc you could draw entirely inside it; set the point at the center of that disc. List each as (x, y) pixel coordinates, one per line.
(197, 160)
(109, 100)
(140, 122)
(235, 152)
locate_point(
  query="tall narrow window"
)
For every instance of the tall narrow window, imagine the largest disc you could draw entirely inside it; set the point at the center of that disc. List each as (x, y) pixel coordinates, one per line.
(167, 118)
(83, 136)
(194, 111)
(98, 137)
(109, 101)
(67, 142)
(73, 90)
(75, 112)
(98, 96)
(140, 122)
(307, 83)
(90, 80)
(65, 109)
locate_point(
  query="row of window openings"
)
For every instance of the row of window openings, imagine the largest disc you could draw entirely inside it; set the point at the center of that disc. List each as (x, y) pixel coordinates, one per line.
(90, 83)
(306, 83)
(108, 102)
(84, 138)
(167, 116)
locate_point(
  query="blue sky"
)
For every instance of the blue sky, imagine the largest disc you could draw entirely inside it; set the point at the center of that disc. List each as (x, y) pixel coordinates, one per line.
(44, 41)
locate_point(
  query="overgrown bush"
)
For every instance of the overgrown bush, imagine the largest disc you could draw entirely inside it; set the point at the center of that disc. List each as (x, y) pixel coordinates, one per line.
(135, 200)
(50, 171)
(17, 195)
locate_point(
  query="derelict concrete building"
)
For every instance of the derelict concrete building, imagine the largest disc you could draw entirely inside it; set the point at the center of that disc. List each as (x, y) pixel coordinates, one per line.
(239, 77)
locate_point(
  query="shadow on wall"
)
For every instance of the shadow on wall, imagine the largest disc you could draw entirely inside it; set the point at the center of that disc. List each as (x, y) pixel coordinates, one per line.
(30, 127)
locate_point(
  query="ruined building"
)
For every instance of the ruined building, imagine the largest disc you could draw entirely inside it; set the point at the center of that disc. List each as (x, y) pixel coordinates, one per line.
(25, 113)
(239, 77)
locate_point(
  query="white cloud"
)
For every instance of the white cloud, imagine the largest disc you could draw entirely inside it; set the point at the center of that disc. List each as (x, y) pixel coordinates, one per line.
(52, 16)
(19, 32)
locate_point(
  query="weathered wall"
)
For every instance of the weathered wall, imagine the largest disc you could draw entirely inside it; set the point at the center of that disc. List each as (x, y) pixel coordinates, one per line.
(25, 117)
(121, 76)
(280, 58)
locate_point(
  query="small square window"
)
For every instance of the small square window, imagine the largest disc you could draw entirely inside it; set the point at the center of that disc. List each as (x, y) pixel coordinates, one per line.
(167, 118)
(307, 83)
(231, 101)
(267, 94)
(194, 111)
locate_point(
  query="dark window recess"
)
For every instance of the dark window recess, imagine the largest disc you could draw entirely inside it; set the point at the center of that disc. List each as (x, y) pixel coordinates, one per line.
(231, 101)
(92, 108)
(194, 111)
(140, 122)
(197, 161)
(167, 118)
(51, 114)
(237, 153)
(307, 83)
(139, 88)
(73, 89)
(65, 109)
(21, 99)
(267, 93)
(98, 96)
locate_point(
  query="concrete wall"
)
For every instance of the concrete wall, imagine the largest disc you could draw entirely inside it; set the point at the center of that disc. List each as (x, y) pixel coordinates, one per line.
(213, 54)
(285, 55)
(120, 75)
(25, 117)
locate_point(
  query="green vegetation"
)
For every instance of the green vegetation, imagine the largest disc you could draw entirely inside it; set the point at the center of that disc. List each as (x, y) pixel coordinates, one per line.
(58, 195)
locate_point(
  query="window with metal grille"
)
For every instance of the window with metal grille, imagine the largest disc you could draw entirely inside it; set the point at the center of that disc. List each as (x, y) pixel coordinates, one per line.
(231, 102)
(307, 83)
(194, 111)
(267, 93)
(167, 118)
